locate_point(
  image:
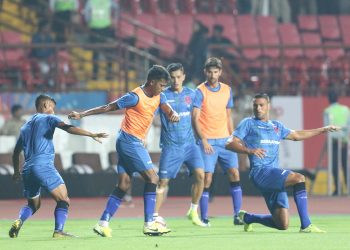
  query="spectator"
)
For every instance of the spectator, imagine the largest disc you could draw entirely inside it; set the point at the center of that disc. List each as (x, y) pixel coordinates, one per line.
(99, 16)
(62, 16)
(338, 115)
(218, 39)
(43, 55)
(13, 125)
(197, 51)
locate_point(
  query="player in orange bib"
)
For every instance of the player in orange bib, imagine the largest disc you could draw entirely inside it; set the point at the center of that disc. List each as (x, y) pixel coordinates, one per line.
(213, 125)
(140, 105)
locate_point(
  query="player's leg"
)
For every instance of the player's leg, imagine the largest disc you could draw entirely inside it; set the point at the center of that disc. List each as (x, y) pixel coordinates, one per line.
(209, 168)
(31, 190)
(25, 213)
(229, 162)
(113, 203)
(194, 162)
(60, 195)
(160, 196)
(297, 181)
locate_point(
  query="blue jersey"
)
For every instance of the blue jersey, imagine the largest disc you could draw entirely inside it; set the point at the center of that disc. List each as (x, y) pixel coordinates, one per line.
(260, 134)
(178, 133)
(36, 139)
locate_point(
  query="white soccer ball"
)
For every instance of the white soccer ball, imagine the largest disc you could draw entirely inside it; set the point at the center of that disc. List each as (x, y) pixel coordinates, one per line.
(160, 220)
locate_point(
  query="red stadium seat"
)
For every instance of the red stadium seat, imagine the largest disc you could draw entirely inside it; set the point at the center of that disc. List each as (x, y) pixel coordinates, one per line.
(334, 53)
(230, 27)
(308, 23)
(267, 27)
(329, 28)
(130, 6)
(169, 7)
(125, 27)
(186, 6)
(90, 159)
(206, 19)
(145, 38)
(149, 6)
(312, 39)
(166, 24)
(290, 37)
(344, 22)
(184, 28)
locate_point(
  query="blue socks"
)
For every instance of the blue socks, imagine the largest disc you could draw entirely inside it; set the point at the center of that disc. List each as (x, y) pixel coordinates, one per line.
(204, 203)
(264, 219)
(149, 201)
(61, 213)
(113, 203)
(236, 194)
(300, 198)
(25, 213)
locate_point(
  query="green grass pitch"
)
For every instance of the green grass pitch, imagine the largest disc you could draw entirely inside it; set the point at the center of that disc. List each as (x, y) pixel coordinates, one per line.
(127, 234)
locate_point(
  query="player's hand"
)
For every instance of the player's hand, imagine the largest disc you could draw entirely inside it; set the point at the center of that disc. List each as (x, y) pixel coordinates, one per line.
(332, 128)
(97, 136)
(75, 115)
(208, 149)
(174, 116)
(259, 152)
(16, 176)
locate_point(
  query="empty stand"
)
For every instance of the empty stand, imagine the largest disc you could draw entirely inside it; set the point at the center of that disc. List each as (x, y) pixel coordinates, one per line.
(184, 27)
(267, 27)
(230, 27)
(344, 23)
(90, 159)
(315, 40)
(329, 28)
(125, 28)
(166, 24)
(308, 23)
(207, 20)
(145, 38)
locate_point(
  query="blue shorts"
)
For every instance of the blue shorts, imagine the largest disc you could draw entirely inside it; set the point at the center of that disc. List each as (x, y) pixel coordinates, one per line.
(37, 176)
(226, 158)
(172, 158)
(133, 157)
(270, 182)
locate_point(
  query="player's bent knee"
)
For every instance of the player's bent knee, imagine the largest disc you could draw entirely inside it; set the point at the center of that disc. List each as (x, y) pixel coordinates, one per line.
(63, 204)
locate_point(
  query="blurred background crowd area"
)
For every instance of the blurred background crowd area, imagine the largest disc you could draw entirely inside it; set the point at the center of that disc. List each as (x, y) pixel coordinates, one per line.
(295, 47)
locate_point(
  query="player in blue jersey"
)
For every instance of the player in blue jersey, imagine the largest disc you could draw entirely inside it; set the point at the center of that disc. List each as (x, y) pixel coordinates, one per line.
(140, 104)
(178, 143)
(38, 170)
(259, 138)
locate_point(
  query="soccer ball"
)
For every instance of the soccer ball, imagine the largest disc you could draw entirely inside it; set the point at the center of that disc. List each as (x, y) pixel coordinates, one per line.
(160, 220)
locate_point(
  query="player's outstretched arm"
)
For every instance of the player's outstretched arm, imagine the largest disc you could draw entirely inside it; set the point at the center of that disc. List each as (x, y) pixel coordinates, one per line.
(78, 131)
(94, 111)
(15, 159)
(300, 135)
(172, 115)
(236, 145)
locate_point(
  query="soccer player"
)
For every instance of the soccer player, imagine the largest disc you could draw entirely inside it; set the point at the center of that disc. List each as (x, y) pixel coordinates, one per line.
(259, 138)
(178, 143)
(140, 105)
(211, 118)
(39, 171)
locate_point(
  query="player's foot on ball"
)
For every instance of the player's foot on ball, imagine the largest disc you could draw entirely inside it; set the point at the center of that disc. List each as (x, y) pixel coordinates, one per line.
(14, 230)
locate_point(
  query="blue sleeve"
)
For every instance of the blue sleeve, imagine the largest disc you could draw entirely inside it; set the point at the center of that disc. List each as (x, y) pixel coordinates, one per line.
(198, 99)
(163, 98)
(54, 121)
(284, 131)
(242, 129)
(128, 100)
(230, 101)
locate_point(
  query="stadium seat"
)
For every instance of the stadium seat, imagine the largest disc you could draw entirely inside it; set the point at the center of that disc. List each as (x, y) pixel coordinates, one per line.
(125, 28)
(89, 159)
(112, 162)
(329, 28)
(168, 7)
(6, 164)
(230, 27)
(145, 38)
(184, 28)
(308, 23)
(166, 24)
(186, 6)
(131, 6)
(344, 23)
(149, 6)
(267, 29)
(207, 20)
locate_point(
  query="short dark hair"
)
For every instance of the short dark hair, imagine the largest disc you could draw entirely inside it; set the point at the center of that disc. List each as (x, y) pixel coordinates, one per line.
(332, 97)
(157, 72)
(42, 98)
(175, 66)
(15, 108)
(213, 62)
(262, 95)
